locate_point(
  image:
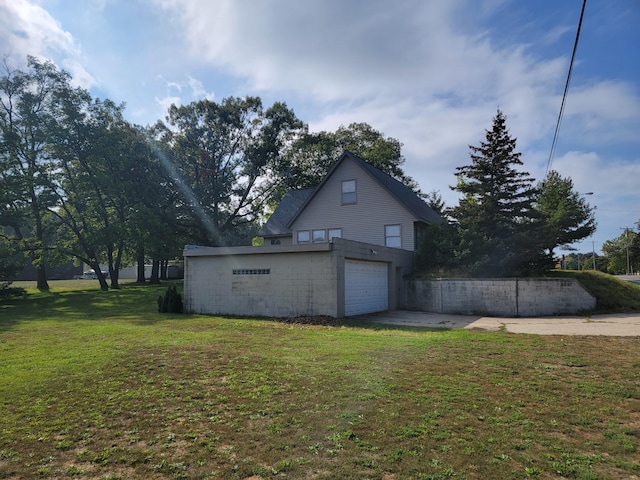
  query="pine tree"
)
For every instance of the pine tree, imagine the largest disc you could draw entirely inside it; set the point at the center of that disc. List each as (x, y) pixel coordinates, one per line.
(495, 215)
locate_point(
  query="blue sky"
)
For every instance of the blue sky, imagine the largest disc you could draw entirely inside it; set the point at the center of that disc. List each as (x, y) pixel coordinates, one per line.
(430, 73)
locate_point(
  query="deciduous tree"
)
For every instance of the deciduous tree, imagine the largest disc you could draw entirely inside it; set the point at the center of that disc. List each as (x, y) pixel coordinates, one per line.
(312, 155)
(29, 101)
(221, 158)
(103, 165)
(619, 253)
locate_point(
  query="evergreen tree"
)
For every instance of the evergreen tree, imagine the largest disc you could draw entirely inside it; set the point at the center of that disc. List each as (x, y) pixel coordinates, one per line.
(495, 216)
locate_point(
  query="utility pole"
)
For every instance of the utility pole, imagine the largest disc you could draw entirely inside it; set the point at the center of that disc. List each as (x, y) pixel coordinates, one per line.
(626, 237)
(593, 253)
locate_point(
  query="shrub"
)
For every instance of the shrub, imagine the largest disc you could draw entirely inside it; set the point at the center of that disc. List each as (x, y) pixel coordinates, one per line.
(171, 301)
(6, 291)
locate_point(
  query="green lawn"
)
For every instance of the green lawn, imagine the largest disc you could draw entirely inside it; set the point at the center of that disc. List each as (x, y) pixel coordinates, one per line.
(99, 385)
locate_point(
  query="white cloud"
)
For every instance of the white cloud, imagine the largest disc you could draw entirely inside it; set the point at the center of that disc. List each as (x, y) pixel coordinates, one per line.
(580, 166)
(395, 61)
(430, 74)
(614, 183)
(556, 33)
(166, 102)
(28, 29)
(188, 90)
(613, 100)
(197, 89)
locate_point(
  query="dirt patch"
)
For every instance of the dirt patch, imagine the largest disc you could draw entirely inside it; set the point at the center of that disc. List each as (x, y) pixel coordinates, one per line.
(312, 320)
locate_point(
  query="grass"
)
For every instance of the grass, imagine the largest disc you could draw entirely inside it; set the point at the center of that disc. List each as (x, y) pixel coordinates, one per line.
(99, 385)
(612, 294)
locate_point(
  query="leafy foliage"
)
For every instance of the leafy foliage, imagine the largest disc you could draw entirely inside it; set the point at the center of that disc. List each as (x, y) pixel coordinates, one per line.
(78, 180)
(312, 155)
(10, 262)
(221, 158)
(29, 101)
(7, 291)
(623, 252)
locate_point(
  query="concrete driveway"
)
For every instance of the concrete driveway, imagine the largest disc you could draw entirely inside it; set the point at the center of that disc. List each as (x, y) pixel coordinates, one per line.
(627, 325)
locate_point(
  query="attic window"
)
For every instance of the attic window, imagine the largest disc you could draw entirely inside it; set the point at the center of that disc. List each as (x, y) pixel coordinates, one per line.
(392, 237)
(348, 192)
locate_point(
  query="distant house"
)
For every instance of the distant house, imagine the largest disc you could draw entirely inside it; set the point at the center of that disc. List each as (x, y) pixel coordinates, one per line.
(355, 201)
(339, 249)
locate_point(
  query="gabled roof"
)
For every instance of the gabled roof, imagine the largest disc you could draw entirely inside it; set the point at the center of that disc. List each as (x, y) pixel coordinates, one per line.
(403, 194)
(295, 201)
(278, 223)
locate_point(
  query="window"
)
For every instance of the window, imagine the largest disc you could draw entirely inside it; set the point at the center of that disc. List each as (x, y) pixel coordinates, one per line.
(348, 192)
(319, 236)
(392, 236)
(303, 236)
(335, 233)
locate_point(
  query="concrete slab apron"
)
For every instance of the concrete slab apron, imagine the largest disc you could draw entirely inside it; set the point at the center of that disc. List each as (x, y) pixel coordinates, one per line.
(610, 325)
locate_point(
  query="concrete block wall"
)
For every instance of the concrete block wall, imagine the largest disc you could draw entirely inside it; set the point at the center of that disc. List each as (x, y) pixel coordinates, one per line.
(552, 296)
(513, 297)
(301, 279)
(295, 284)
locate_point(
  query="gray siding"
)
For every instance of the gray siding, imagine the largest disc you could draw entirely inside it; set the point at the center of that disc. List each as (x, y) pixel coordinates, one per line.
(364, 221)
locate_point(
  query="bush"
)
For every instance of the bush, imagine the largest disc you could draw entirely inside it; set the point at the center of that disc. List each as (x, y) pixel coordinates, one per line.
(6, 291)
(170, 302)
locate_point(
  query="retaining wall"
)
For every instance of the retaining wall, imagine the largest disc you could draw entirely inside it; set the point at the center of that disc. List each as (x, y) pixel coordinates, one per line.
(502, 297)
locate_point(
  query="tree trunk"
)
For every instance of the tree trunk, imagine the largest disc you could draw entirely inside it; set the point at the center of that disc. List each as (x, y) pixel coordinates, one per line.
(103, 281)
(155, 271)
(113, 276)
(140, 260)
(38, 258)
(164, 266)
(101, 277)
(41, 279)
(114, 272)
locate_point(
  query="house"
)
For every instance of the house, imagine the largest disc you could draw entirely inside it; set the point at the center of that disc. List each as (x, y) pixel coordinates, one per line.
(356, 201)
(339, 249)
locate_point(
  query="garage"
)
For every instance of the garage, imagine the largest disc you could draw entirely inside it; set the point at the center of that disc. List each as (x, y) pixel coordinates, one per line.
(365, 287)
(334, 279)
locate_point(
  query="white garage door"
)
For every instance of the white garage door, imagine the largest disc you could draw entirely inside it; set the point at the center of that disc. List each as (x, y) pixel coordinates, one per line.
(365, 287)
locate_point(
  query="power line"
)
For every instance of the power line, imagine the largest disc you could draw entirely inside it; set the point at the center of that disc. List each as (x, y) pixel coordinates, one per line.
(566, 89)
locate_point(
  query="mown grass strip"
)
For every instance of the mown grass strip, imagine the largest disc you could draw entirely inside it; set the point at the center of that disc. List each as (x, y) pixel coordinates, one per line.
(98, 385)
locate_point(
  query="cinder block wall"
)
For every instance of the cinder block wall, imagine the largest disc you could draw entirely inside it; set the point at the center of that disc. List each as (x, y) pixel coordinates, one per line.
(512, 297)
(283, 281)
(269, 284)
